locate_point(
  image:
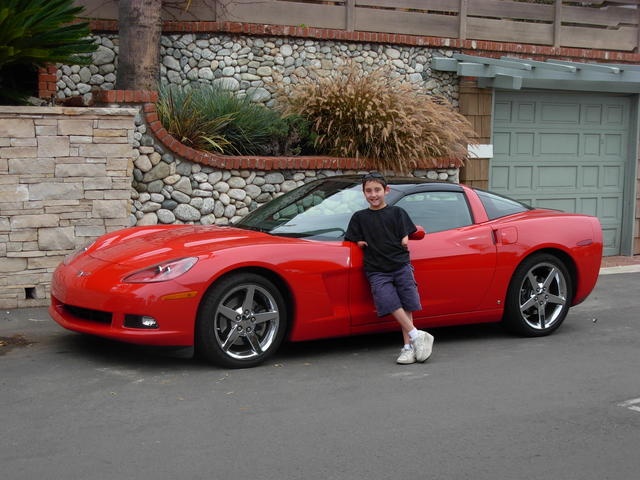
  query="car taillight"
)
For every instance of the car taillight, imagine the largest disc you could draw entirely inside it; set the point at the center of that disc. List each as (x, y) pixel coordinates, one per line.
(163, 271)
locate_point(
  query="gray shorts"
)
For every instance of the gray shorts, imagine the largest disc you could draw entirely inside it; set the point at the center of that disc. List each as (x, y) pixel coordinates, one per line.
(394, 290)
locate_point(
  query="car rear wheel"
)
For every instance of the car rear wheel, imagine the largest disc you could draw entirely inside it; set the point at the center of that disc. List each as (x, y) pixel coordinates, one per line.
(538, 297)
(241, 321)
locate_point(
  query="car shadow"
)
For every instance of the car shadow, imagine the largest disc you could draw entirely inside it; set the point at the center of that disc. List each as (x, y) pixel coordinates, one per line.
(105, 351)
(387, 340)
(108, 352)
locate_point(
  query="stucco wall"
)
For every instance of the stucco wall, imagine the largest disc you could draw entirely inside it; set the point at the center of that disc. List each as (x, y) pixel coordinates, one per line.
(65, 178)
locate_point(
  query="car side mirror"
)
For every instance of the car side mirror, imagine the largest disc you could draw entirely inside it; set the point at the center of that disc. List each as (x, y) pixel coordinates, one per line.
(418, 234)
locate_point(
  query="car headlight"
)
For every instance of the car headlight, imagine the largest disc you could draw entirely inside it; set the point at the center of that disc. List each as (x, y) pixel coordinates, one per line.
(162, 271)
(76, 253)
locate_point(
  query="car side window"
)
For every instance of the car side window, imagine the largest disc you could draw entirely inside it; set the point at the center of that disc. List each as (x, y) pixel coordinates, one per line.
(437, 211)
(498, 206)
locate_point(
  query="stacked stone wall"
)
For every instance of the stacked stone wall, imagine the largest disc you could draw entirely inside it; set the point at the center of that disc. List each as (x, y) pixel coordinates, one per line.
(65, 178)
(258, 67)
(174, 184)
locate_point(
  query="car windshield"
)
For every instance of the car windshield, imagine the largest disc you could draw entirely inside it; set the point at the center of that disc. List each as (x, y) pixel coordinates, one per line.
(318, 210)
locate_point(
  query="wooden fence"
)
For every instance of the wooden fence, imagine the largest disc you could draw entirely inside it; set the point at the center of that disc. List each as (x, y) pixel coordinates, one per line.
(598, 24)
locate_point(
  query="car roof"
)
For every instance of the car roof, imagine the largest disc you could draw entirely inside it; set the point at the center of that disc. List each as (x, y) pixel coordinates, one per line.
(405, 184)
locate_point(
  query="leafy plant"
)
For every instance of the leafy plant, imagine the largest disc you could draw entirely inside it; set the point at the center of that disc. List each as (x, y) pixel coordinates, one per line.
(34, 33)
(292, 135)
(394, 125)
(179, 114)
(247, 127)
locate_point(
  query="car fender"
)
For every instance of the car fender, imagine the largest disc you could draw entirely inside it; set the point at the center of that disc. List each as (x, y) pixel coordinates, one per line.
(317, 280)
(578, 244)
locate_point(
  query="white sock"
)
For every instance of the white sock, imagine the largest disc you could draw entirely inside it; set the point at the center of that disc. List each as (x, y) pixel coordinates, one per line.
(413, 334)
(407, 346)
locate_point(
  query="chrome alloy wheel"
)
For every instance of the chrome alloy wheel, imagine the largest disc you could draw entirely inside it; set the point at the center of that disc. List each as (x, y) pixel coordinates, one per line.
(543, 296)
(246, 321)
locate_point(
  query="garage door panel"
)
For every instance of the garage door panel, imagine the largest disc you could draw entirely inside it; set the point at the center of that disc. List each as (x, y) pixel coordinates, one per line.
(612, 177)
(499, 178)
(559, 143)
(565, 151)
(588, 206)
(590, 176)
(560, 113)
(502, 112)
(557, 177)
(591, 144)
(526, 112)
(610, 238)
(592, 115)
(611, 209)
(501, 143)
(523, 178)
(564, 204)
(523, 143)
(614, 115)
(613, 144)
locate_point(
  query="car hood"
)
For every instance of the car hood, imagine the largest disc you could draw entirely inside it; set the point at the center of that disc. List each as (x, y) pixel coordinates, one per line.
(149, 245)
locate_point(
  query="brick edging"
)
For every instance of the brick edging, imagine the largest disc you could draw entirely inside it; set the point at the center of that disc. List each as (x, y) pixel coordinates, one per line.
(147, 99)
(469, 46)
(47, 79)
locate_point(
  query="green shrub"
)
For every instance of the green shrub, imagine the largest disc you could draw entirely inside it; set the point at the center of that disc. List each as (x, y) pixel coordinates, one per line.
(292, 135)
(238, 125)
(179, 113)
(249, 133)
(395, 126)
(34, 33)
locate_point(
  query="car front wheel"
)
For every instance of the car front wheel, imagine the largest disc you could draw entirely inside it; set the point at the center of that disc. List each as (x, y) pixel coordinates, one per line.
(538, 297)
(241, 321)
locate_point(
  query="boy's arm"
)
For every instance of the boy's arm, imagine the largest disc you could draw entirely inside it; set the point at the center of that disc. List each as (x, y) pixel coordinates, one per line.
(354, 232)
(407, 225)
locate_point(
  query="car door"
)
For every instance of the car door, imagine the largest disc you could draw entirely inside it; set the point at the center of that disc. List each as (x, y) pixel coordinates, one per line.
(454, 263)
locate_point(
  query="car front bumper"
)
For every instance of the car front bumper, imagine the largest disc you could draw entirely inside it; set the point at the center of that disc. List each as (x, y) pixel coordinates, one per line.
(99, 304)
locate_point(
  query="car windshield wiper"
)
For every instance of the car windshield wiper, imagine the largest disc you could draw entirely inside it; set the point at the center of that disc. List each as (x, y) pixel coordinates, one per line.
(254, 228)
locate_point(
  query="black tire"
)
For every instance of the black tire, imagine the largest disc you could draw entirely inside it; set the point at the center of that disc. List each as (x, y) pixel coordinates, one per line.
(241, 321)
(539, 296)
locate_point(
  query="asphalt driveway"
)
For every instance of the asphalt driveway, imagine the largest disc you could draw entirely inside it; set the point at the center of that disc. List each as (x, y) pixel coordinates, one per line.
(486, 406)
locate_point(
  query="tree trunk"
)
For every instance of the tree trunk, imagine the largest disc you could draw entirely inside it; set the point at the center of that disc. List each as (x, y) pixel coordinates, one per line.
(140, 26)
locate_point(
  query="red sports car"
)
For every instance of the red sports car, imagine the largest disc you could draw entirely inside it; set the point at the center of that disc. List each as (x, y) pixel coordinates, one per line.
(285, 272)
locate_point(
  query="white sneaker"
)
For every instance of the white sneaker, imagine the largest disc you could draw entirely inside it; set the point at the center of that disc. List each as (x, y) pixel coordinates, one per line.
(407, 356)
(423, 346)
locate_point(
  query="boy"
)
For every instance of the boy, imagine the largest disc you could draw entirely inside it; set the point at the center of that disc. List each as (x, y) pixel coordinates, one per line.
(382, 231)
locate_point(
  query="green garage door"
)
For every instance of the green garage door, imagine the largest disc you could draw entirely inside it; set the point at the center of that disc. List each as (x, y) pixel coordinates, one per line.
(564, 151)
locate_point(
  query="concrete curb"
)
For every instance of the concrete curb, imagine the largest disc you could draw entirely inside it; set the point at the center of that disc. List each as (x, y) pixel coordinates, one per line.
(620, 269)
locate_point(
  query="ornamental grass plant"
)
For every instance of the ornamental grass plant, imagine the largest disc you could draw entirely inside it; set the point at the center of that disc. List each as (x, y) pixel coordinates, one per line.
(210, 118)
(180, 115)
(394, 125)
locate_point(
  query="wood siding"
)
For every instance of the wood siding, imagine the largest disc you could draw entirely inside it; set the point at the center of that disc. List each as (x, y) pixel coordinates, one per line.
(596, 25)
(476, 105)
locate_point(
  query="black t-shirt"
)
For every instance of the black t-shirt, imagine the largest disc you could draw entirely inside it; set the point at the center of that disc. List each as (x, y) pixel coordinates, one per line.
(383, 231)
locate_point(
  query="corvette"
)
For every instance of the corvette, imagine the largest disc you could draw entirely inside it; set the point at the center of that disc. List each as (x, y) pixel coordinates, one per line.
(285, 272)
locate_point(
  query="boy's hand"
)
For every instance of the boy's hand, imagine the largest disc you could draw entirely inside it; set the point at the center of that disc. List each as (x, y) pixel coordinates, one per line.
(362, 244)
(405, 241)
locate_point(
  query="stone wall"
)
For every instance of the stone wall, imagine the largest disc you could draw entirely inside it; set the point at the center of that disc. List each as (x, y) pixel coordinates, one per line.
(65, 178)
(258, 66)
(174, 184)
(68, 175)
(172, 188)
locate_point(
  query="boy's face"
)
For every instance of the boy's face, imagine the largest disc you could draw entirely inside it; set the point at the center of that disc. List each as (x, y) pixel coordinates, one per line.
(374, 192)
